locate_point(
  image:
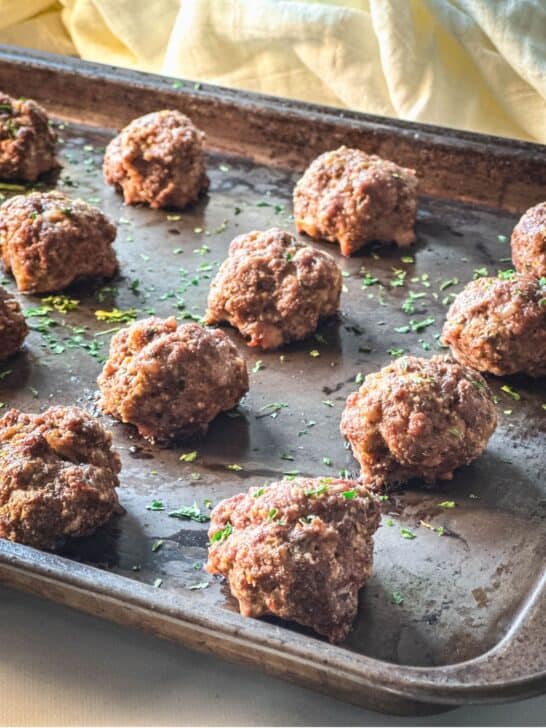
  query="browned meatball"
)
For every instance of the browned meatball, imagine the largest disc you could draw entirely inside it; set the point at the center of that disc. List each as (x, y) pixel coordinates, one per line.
(171, 381)
(298, 549)
(158, 160)
(499, 326)
(58, 476)
(529, 242)
(274, 289)
(351, 198)
(48, 241)
(27, 142)
(418, 418)
(13, 327)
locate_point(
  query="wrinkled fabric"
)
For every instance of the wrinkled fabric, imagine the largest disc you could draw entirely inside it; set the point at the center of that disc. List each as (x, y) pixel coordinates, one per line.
(469, 64)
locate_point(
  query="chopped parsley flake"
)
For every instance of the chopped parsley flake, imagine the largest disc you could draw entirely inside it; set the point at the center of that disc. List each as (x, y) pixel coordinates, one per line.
(349, 494)
(447, 504)
(189, 457)
(117, 315)
(258, 366)
(480, 273)
(157, 545)
(316, 491)
(156, 505)
(222, 534)
(327, 461)
(273, 513)
(511, 392)
(407, 533)
(397, 598)
(235, 466)
(200, 585)
(192, 513)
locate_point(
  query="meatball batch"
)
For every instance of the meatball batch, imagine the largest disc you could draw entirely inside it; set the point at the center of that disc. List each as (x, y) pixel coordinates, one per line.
(349, 197)
(529, 242)
(158, 160)
(418, 418)
(274, 289)
(298, 549)
(13, 327)
(498, 325)
(58, 478)
(171, 381)
(27, 142)
(47, 241)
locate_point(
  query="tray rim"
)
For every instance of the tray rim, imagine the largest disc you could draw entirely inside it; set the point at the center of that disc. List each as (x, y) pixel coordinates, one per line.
(28, 569)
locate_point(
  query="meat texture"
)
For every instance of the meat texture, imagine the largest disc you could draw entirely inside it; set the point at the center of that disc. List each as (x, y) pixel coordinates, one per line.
(418, 418)
(158, 160)
(171, 381)
(13, 327)
(48, 241)
(27, 141)
(529, 242)
(349, 197)
(274, 289)
(498, 325)
(298, 549)
(58, 476)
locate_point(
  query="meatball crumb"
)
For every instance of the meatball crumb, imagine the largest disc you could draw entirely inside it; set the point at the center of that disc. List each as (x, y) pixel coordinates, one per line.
(158, 160)
(498, 325)
(13, 327)
(529, 242)
(48, 241)
(171, 381)
(273, 288)
(352, 198)
(298, 549)
(27, 141)
(58, 476)
(418, 418)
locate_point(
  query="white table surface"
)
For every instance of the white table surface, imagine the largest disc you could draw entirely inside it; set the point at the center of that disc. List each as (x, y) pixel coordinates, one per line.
(59, 667)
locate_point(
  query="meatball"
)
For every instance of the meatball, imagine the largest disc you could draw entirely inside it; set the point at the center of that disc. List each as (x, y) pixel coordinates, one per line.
(274, 289)
(13, 327)
(58, 476)
(350, 197)
(158, 160)
(529, 242)
(418, 418)
(299, 549)
(27, 142)
(499, 325)
(171, 381)
(47, 241)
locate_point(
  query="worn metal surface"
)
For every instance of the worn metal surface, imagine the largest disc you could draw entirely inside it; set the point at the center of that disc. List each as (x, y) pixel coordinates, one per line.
(465, 593)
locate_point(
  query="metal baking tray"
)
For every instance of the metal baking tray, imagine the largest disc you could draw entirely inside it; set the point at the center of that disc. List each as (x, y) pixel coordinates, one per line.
(471, 626)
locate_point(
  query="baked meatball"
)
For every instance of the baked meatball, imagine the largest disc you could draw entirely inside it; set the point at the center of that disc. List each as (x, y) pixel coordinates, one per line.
(349, 197)
(13, 327)
(171, 381)
(27, 142)
(158, 160)
(418, 418)
(274, 289)
(299, 549)
(499, 326)
(47, 241)
(58, 476)
(529, 242)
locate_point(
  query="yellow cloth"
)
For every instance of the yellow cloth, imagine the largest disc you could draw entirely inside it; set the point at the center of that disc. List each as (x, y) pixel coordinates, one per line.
(470, 64)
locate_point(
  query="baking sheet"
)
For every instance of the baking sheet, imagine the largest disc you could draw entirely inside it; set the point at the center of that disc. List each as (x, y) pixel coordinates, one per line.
(433, 601)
